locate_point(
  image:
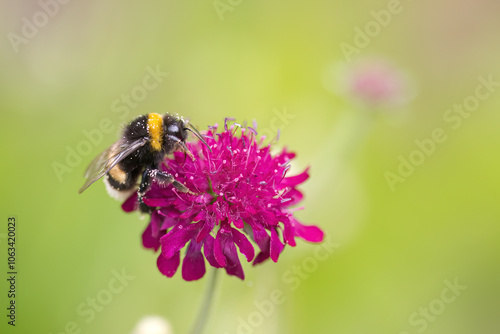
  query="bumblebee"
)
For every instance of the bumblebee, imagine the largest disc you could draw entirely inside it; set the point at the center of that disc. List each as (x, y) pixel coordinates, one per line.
(142, 147)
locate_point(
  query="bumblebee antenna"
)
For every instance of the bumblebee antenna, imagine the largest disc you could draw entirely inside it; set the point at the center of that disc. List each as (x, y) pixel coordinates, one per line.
(194, 131)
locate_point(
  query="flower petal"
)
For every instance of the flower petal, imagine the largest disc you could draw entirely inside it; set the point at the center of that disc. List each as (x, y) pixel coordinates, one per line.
(292, 181)
(261, 257)
(218, 247)
(193, 265)
(276, 246)
(153, 202)
(170, 219)
(174, 240)
(233, 266)
(156, 222)
(168, 267)
(130, 203)
(269, 217)
(263, 241)
(295, 197)
(289, 233)
(208, 226)
(239, 223)
(148, 240)
(243, 244)
(309, 233)
(208, 250)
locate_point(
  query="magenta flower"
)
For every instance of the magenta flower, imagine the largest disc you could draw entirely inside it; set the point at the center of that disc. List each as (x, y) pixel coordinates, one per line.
(241, 197)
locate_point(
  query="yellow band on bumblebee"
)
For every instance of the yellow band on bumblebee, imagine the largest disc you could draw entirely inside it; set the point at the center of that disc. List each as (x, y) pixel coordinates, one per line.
(155, 130)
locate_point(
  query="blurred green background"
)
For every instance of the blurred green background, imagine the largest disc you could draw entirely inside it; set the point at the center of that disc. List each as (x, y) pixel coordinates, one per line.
(395, 250)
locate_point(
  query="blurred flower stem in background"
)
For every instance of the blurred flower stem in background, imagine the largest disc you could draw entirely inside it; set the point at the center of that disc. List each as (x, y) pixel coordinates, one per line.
(371, 88)
(204, 310)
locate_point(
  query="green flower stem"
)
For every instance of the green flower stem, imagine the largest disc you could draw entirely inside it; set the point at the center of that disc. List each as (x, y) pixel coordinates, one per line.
(204, 310)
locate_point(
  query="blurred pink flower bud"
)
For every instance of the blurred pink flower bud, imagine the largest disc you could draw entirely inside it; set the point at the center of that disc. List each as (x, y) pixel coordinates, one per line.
(372, 82)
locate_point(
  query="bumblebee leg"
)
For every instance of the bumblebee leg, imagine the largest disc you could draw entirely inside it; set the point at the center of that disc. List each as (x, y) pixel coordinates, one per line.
(143, 188)
(165, 179)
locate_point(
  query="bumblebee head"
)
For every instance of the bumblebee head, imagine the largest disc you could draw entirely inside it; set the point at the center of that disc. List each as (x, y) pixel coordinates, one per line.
(174, 133)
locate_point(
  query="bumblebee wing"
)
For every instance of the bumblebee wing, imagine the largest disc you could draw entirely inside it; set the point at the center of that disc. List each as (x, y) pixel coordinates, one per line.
(108, 159)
